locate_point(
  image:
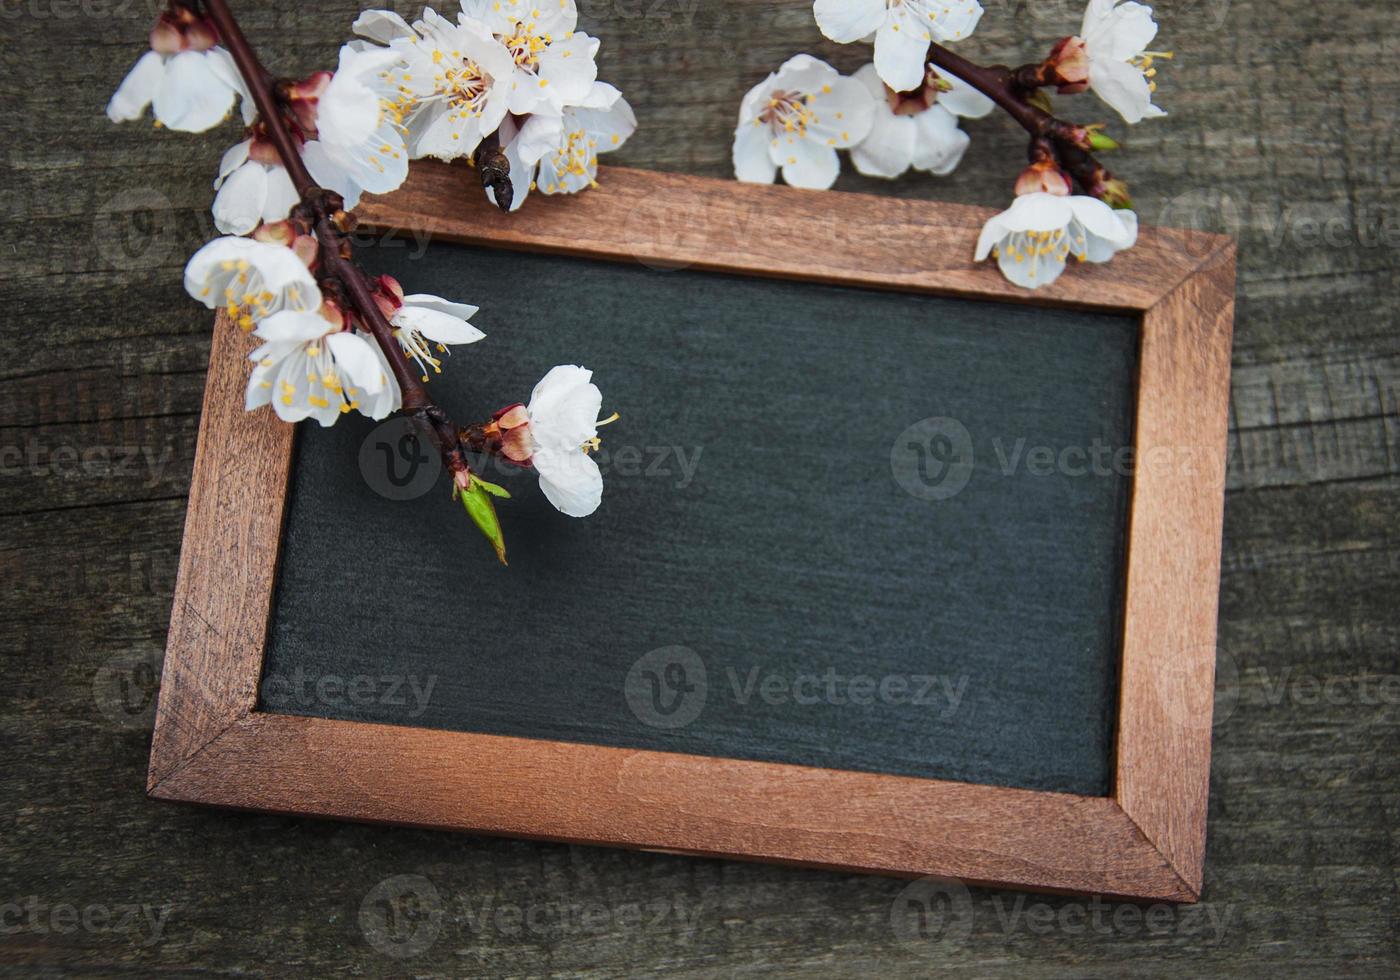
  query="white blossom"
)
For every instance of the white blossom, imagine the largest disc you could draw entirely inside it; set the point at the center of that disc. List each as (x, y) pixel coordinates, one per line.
(250, 192)
(1115, 37)
(1032, 239)
(453, 82)
(359, 143)
(189, 90)
(425, 325)
(917, 129)
(902, 31)
(307, 367)
(559, 155)
(796, 119)
(554, 63)
(555, 434)
(250, 279)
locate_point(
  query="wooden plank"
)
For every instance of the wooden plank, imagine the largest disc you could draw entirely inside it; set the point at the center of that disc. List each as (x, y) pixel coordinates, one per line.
(673, 221)
(227, 562)
(1164, 732)
(750, 810)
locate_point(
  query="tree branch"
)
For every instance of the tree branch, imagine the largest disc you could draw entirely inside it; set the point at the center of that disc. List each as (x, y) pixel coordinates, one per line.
(1011, 89)
(332, 226)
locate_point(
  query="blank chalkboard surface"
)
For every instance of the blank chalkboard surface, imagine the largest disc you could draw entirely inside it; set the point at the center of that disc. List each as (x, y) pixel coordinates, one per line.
(840, 528)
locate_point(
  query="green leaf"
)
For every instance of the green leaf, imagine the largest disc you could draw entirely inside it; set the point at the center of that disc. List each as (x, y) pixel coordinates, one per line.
(1101, 141)
(477, 501)
(495, 489)
(1041, 100)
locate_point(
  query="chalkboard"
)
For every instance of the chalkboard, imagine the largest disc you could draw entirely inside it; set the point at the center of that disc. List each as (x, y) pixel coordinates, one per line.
(841, 527)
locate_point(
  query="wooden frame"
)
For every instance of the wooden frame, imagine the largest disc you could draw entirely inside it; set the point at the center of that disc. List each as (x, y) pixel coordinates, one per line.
(1146, 840)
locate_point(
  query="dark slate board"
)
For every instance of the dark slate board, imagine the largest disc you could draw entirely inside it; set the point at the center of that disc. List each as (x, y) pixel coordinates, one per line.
(738, 611)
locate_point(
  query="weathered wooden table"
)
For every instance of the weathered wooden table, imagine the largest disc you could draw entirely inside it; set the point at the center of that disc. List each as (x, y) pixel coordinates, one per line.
(1281, 131)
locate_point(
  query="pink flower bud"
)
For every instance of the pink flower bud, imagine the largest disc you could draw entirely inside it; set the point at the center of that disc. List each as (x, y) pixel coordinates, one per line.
(1043, 177)
(181, 29)
(1069, 65)
(275, 233)
(304, 99)
(308, 249)
(331, 312)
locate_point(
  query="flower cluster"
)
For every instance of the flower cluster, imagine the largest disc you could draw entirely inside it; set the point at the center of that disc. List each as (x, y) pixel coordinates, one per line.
(434, 88)
(902, 111)
(333, 340)
(506, 67)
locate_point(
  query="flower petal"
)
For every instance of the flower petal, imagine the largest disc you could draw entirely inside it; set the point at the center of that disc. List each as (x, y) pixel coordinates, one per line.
(811, 165)
(441, 327)
(752, 162)
(238, 207)
(963, 100)
(1116, 227)
(190, 96)
(282, 195)
(356, 355)
(292, 327)
(1125, 89)
(430, 302)
(844, 110)
(901, 49)
(381, 25)
(571, 480)
(564, 408)
(888, 150)
(1031, 273)
(1120, 33)
(953, 20)
(1037, 212)
(137, 89)
(567, 69)
(234, 157)
(939, 145)
(845, 21)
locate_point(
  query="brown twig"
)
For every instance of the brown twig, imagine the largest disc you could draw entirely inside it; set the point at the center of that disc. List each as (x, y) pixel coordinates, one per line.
(1011, 89)
(332, 225)
(494, 167)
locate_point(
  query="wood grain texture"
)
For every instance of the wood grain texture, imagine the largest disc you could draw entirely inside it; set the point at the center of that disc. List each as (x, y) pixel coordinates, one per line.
(724, 806)
(1168, 676)
(228, 564)
(688, 804)
(675, 221)
(1280, 128)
